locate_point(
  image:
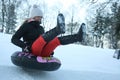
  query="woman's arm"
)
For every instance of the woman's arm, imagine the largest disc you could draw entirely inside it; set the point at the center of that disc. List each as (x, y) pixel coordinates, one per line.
(16, 38)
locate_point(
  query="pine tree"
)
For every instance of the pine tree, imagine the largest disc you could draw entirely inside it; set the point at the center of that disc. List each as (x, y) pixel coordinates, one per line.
(115, 23)
(11, 18)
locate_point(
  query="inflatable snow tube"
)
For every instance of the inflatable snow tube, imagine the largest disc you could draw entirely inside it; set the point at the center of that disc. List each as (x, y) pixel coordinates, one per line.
(30, 61)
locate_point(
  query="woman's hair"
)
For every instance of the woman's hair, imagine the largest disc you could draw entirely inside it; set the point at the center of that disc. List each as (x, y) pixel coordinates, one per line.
(28, 20)
(25, 21)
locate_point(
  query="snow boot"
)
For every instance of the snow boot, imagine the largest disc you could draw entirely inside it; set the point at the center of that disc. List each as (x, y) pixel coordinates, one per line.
(59, 29)
(79, 37)
(82, 34)
(61, 22)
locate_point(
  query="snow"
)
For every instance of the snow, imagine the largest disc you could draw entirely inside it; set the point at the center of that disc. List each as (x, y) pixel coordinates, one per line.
(78, 63)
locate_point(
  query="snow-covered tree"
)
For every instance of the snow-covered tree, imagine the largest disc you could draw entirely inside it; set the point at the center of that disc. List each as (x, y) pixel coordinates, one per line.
(8, 13)
(115, 8)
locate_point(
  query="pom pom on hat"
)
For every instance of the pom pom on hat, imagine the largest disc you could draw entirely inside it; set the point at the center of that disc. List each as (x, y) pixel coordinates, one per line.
(35, 11)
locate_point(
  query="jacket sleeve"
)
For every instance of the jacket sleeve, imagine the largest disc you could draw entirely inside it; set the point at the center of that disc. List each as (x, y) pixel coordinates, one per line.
(16, 38)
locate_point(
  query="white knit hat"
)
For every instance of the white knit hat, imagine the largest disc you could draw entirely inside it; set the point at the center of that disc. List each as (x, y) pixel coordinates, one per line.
(35, 11)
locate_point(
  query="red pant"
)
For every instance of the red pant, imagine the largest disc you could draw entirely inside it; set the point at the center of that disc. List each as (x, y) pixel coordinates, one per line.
(41, 48)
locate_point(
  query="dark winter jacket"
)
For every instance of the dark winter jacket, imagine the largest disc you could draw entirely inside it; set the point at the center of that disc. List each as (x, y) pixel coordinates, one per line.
(27, 34)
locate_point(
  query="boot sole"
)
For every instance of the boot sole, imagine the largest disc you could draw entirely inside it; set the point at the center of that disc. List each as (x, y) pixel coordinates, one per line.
(61, 22)
(84, 35)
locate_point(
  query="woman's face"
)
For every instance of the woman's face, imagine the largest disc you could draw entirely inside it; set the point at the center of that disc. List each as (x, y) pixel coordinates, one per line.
(38, 18)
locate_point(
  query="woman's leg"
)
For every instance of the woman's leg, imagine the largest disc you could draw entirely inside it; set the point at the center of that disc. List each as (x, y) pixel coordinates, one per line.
(64, 40)
(80, 36)
(38, 46)
(49, 48)
(40, 43)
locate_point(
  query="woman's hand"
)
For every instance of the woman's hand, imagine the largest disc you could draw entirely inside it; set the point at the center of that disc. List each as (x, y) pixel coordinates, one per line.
(27, 49)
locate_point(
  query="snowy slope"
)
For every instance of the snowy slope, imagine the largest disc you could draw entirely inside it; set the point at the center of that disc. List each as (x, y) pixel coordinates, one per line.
(78, 63)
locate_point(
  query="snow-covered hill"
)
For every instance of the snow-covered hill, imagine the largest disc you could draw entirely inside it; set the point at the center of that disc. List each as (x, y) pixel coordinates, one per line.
(78, 63)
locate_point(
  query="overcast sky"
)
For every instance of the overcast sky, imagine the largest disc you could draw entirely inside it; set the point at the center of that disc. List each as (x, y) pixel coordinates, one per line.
(78, 8)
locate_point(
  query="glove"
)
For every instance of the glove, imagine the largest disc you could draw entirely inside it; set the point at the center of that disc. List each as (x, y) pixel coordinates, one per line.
(27, 49)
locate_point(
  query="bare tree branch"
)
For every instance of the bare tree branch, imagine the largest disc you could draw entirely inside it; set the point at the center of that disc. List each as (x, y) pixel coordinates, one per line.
(93, 1)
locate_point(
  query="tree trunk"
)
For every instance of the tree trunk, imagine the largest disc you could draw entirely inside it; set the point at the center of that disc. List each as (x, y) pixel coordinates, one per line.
(3, 15)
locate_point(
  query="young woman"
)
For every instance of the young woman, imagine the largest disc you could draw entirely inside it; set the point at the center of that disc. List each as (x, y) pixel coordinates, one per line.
(41, 43)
